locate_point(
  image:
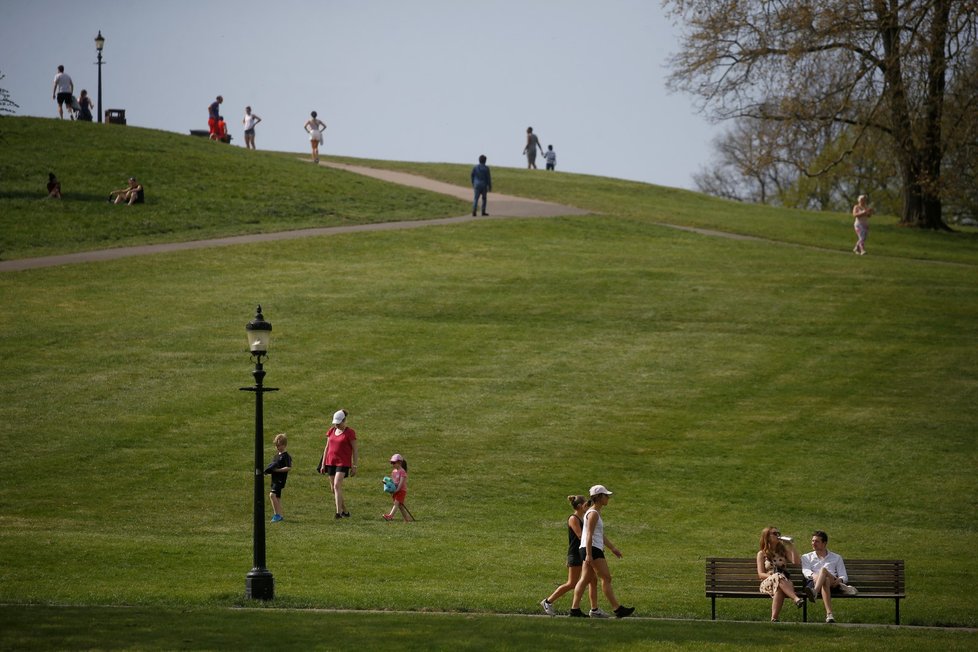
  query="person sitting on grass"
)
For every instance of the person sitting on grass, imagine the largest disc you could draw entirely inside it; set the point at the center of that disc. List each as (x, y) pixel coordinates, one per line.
(54, 187)
(131, 194)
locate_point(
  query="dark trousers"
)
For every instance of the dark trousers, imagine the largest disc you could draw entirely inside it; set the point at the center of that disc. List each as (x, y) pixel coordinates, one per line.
(480, 191)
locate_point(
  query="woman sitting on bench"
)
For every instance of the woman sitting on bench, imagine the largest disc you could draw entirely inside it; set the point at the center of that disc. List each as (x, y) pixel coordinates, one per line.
(772, 561)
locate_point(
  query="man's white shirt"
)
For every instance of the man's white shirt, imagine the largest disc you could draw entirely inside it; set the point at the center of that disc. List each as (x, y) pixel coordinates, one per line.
(812, 564)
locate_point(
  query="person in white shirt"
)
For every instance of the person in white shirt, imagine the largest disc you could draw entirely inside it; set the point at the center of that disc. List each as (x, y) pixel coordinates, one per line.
(551, 156)
(249, 121)
(824, 573)
(593, 544)
(62, 92)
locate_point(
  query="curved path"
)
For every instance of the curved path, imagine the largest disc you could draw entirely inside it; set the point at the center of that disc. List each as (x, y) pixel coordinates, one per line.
(500, 206)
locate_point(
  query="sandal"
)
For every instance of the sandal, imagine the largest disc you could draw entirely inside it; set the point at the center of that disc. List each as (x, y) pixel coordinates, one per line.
(799, 602)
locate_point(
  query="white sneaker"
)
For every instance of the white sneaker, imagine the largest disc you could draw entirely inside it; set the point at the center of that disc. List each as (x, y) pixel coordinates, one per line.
(598, 613)
(548, 608)
(848, 590)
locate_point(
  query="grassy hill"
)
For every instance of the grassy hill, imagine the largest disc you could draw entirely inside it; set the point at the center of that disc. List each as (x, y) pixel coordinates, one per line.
(717, 386)
(196, 189)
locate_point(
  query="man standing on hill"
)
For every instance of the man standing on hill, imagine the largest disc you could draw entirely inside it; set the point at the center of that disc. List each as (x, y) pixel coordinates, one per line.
(481, 184)
(213, 116)
(62, 92)
(824, 573)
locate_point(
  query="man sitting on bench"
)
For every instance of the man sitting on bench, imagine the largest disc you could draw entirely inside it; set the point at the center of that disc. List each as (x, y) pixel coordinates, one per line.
(825, 573)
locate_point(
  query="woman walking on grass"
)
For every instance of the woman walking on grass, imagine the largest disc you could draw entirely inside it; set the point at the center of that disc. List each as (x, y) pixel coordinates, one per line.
(315, 128)
(862, 211)
(575, 523)
(593, 543)
(340, 458)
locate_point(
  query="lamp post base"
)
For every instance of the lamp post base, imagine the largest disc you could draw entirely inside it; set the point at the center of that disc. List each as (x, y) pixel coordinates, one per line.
(259, 584)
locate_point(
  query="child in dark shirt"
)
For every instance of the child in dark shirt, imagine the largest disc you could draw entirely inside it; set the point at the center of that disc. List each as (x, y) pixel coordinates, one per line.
(279, 470)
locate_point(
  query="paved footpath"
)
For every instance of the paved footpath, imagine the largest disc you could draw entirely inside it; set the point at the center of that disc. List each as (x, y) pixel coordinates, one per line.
(500, 206)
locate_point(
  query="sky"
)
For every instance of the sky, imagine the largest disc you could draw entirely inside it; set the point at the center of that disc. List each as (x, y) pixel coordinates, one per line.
(411, 80)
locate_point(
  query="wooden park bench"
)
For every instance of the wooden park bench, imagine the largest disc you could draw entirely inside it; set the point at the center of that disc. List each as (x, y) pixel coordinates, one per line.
(729, 577)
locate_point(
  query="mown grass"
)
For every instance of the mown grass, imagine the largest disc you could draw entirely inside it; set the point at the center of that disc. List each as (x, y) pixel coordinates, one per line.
(644, 202)
(196, 189)
(716, 386)
(251, 629)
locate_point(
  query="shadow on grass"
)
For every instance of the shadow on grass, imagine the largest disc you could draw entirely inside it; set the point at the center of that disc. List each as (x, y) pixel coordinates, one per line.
(67, 198)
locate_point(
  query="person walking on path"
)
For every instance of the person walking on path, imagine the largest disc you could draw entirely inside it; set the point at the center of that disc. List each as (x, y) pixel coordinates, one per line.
(214, 116)
(825, 573)
(593, 544)
(575, 524)
(481, 185)
(315, 128)
(532, 145)
(340, 458)
(773, 556)
(62, 91)
(862, 212)
(249, 121)
(279, 470)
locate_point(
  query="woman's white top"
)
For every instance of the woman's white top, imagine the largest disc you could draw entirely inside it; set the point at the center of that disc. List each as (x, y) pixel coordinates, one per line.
(597, 539)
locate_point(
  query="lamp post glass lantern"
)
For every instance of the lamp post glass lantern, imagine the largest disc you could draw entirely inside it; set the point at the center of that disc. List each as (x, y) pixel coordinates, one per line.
(259, 583)
(99, 44)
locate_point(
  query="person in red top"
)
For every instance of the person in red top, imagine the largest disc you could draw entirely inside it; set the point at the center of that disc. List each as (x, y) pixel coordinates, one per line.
(222, 129)
(399, 476)
(340, 458)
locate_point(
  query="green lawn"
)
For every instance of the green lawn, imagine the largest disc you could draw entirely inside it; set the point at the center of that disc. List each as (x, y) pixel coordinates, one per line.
(195, 189)
(248, 629)
(716, 386)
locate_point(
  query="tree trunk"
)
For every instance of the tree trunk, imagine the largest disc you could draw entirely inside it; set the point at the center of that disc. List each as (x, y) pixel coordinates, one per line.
(920, 165)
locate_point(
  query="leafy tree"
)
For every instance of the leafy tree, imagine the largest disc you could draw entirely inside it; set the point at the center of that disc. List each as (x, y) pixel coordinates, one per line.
(878, 70)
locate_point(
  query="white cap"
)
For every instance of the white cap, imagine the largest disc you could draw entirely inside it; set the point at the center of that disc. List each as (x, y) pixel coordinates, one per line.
(397, 458)
(599, 489)
(339, 417)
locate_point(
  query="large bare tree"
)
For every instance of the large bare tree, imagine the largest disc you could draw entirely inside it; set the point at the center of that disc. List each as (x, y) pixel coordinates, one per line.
(878, 69)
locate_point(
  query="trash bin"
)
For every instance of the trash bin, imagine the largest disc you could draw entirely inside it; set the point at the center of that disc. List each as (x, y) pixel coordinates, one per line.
(115, 116)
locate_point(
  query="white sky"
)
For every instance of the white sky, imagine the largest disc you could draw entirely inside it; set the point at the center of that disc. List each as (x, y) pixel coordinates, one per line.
(416, 80)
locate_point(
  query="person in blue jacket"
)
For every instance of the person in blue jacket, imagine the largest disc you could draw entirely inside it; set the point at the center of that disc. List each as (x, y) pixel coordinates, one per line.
(481, 184)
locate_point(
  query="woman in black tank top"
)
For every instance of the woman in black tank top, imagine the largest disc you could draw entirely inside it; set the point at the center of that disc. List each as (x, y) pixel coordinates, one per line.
(575, 524)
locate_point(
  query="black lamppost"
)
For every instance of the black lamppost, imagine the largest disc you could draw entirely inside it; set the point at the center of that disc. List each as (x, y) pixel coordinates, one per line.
(99, 44)
(259, 583)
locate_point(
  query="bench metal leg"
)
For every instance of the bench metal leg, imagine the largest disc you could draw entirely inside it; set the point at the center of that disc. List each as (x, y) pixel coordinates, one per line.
(713, 607)
(897, 601)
